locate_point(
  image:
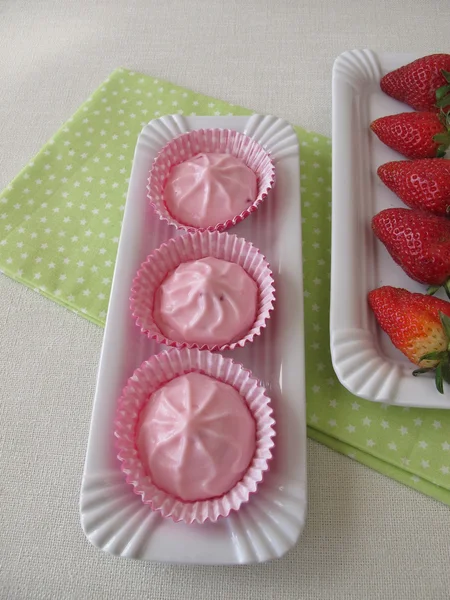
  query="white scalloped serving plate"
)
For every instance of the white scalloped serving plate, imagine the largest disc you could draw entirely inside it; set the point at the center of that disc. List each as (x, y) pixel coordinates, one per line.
(365, 360)
(113, 517)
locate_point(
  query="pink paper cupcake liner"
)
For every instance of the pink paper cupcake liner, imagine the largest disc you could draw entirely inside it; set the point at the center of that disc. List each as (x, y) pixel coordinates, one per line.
(151, 375)
(190, 144)
(194, 246)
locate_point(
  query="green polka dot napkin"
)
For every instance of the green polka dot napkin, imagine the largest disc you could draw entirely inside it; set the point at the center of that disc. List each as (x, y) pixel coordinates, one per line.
(59, 228)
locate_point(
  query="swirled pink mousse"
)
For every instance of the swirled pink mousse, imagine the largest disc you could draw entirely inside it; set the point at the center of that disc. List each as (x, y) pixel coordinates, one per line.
(209, 189)
(206, 301)
(196, 437)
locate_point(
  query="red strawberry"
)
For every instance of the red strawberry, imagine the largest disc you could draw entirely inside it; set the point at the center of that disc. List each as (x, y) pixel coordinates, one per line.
(417, 83)
(418, 242)
(414, 134)
(422, 183)
(418, 325)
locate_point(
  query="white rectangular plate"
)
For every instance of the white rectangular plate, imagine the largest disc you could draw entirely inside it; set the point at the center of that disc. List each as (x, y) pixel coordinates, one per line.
(113, 517)
(365, 360)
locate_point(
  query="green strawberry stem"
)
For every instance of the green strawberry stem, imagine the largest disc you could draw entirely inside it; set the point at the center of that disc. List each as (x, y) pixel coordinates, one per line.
(432, 289)
(442, 358)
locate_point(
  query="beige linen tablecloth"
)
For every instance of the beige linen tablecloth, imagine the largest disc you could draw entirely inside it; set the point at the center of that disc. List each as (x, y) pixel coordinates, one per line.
(367, 537)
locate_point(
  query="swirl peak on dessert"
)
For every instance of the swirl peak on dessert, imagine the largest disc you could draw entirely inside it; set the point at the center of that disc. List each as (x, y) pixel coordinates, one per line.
(206, 301)
(196, 437)
(209, 188)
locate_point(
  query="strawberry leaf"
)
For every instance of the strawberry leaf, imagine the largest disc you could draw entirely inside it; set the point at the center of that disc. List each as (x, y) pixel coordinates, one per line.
(439, 355)
(446, 75)
(444, 101)
(432, 289)
(446, 371)
(444, 118)
(441, 138)
(439, 379)
(442, 91)
(445, 320)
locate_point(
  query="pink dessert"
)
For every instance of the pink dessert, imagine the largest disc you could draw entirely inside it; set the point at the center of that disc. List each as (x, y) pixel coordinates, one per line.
(206, 301)
(209, 188)
(196, 437)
